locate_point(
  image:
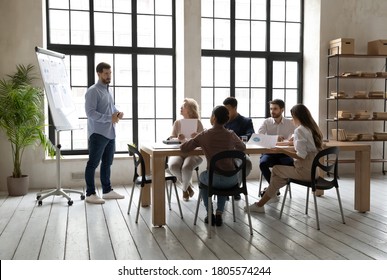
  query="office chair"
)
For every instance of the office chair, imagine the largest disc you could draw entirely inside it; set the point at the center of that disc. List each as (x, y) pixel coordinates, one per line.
(319, 183)
(143, 179)
(239, 188)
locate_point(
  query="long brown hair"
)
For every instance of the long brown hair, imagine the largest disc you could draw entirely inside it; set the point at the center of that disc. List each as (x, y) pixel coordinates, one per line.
(302, 113)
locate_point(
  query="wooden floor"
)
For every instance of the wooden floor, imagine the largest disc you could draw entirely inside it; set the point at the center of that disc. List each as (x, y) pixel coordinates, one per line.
(84, 231)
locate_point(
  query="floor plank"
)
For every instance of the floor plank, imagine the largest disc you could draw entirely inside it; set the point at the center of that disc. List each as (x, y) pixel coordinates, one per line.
(54, 241)
(146, 244)
(106, 232)
(122, 241)
(31, 241)
(100, 245)
(15, 213)
(77, 239)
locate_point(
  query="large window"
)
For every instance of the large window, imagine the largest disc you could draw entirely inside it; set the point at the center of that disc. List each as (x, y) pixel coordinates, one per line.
(137, 38)
(251, 49)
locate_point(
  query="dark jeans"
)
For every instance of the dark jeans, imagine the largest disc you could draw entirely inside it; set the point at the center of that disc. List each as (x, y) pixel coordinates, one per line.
(100, 148)
(269, 160)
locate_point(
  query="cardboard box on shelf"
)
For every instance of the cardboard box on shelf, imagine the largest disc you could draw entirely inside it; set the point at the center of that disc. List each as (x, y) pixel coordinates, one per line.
(342, 46)
(339, 134)
(377, 47)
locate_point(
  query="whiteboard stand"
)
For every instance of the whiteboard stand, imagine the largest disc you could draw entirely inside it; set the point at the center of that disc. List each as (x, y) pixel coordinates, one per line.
(58, 191)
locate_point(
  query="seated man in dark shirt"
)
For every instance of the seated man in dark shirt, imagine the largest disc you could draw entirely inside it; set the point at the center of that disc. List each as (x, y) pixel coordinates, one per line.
(242, 126)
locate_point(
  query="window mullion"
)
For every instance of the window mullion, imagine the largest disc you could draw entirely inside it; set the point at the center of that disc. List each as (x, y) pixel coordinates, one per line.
(232, 48)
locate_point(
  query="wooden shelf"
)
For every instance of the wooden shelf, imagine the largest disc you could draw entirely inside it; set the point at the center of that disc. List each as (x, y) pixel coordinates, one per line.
(336, 84)
(376, 160)
(354, 120)
(356, 56)
(354, 77)
(347, 141)
(355, 98)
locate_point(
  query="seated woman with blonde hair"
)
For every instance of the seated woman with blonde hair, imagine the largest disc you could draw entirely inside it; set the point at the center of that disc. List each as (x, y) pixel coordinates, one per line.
(182, 166)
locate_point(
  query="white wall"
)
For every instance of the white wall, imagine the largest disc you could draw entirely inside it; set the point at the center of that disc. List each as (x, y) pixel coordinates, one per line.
(188, 50)
(21, 25)
(364, 21)
(312, 54)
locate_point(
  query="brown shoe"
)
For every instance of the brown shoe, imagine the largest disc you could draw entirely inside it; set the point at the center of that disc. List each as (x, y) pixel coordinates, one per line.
(190, 191)
(185, 195)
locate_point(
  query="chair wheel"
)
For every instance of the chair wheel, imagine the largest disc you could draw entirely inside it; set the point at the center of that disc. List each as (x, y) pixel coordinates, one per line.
(38, 196)
(83, 197)
(70, 202)
(40, 203)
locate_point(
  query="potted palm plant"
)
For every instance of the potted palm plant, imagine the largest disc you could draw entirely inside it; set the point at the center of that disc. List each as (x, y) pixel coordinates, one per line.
(22, 120)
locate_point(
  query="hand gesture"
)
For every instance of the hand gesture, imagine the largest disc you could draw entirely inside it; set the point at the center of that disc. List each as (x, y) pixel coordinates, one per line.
(115, 117)
(181, 137)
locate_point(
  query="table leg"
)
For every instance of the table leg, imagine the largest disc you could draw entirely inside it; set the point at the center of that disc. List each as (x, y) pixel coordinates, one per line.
(362, 180)
(158, 191)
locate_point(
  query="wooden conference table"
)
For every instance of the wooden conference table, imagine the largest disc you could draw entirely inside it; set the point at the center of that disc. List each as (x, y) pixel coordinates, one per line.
(155, 161)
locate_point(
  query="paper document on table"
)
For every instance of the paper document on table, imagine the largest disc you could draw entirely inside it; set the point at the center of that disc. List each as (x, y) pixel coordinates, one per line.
(263, 140)
(188, 126)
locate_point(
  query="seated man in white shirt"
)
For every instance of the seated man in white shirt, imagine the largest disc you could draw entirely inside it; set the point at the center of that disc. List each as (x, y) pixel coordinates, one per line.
(284, 128)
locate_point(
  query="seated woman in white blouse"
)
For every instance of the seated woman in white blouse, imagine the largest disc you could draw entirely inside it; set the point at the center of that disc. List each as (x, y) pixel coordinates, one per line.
(308, 141)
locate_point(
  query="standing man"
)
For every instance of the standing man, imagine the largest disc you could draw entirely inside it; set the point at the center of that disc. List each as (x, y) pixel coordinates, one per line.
(102, 117)
(242, 126)
(284, 128)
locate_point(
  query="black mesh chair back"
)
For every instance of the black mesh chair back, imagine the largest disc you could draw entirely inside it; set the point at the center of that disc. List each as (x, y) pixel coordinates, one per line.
(139, 163)
(143, 179)
(319, 183)
(239, 159)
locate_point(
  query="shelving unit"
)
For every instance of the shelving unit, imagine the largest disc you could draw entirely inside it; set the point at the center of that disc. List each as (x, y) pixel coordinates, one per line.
(337, 82)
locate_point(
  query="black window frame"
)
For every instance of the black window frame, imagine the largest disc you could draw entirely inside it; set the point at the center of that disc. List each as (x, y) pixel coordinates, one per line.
(89, 52)
(268, 55)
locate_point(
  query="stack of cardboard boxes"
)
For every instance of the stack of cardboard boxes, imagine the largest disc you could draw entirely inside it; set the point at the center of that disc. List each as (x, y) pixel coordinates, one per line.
(347, 46)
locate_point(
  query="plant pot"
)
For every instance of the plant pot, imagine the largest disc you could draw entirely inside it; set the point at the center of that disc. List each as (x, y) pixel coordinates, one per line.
(18, 186)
